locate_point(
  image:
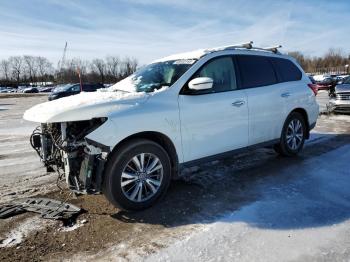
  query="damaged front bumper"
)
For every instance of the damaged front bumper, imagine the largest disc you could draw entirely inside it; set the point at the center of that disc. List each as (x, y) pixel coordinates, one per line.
(64, 148)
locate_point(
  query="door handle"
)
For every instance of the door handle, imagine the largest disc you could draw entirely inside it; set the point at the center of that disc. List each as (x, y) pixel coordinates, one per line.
(287, 94)
(238, 103)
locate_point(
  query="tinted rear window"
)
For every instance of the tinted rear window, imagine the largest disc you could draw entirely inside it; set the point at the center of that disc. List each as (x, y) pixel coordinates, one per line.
(255, 71)
(286, 69)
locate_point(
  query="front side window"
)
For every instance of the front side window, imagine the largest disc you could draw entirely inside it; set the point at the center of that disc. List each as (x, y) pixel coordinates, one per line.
(255, 71)
(75, 88)
(154, 76)
(222, 72)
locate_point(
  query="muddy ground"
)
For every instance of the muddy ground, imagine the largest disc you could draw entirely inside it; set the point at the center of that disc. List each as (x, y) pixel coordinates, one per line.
(103, 232)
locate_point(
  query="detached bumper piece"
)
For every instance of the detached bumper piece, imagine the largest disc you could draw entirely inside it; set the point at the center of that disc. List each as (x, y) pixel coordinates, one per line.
(47, 208)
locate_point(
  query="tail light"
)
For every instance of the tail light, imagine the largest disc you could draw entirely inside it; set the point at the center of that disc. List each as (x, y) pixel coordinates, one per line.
(314, 88)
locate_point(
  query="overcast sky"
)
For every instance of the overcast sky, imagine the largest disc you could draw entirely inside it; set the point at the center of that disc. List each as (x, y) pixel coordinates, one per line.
(151, 29)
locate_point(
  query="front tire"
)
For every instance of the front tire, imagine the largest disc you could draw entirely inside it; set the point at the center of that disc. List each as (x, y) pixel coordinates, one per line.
(137, 175)
(293, 135)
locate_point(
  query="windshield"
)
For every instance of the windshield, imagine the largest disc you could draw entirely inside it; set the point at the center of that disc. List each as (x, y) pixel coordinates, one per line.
(154, 76)
(347, 80)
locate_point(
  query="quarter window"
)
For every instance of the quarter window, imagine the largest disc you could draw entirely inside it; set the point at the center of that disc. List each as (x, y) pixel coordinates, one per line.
(255, 71)
(286, 69)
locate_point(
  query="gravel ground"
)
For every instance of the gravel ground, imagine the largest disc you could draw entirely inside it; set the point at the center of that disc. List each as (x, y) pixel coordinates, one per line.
(253, 206)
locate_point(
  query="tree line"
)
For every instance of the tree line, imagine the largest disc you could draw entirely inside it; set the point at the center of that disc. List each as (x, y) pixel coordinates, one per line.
(334, 61)
(29, 70)
(23, 70)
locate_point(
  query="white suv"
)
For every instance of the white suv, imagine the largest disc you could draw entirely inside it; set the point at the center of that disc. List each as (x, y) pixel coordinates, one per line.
(130, 140)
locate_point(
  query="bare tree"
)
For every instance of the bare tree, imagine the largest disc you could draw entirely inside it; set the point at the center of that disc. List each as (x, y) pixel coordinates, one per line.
(99, 66)
(30, 66)
(16, 64)
(5, 69)
(129, 67)
(112, 64)
(82, 65)
(44, 67)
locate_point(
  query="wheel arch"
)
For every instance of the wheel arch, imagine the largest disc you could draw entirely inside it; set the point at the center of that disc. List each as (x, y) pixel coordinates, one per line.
(159, 138)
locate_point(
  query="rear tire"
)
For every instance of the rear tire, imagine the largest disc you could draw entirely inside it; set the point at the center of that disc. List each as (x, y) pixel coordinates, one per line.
(293, 135)
(137, 175)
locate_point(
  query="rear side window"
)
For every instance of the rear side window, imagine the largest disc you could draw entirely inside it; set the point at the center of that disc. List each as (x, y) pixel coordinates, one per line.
(255, 71)
(286, 69)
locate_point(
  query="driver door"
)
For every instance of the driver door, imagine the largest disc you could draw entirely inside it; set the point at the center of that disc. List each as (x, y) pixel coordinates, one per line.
(215, 120)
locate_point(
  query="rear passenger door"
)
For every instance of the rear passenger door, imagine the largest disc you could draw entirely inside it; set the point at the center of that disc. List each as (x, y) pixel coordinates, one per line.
(265, 104)
(292, 89)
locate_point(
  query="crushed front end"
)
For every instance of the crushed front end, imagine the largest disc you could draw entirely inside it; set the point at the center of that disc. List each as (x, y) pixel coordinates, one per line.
(64, 148)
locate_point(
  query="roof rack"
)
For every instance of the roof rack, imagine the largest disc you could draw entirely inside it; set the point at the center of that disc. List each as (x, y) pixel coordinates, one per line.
(249, 45)
(273, 49)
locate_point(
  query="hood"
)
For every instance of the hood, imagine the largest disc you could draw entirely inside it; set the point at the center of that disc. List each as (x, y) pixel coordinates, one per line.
(344, 88)
(84, 106)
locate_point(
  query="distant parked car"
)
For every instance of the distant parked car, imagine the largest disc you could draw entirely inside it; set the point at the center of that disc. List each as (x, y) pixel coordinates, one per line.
(20, 89)
(31, 90)
(72, 89)
(340, 98)
(326, 84)
(3, 89)
(46, 89)
(318, 84)
(340, 78)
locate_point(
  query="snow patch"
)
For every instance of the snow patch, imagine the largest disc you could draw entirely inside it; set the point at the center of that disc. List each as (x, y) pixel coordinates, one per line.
(73, 227)
(18, 234)
(288, 222)
(94, 103)
(196, 54)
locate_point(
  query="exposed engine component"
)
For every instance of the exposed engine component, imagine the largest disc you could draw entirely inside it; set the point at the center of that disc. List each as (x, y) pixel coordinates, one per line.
(63, 148)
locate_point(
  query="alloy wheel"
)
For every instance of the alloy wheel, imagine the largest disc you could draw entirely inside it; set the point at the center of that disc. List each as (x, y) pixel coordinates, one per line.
(142, 177)
(295, 133)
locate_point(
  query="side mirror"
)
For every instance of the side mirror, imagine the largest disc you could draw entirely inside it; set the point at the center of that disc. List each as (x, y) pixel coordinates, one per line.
(201, 83)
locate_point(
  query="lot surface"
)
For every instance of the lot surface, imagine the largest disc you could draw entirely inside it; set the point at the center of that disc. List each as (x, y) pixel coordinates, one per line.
(253, 206)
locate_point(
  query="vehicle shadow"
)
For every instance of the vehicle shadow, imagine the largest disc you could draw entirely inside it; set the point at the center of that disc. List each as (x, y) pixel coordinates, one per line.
(261, 189)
